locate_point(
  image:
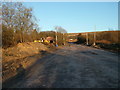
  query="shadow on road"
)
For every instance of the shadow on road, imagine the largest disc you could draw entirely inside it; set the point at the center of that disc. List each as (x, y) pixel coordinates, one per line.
(18, 77)
(22, 72)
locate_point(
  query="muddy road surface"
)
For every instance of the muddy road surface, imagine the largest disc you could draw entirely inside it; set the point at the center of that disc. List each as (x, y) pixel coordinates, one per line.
(76, 66)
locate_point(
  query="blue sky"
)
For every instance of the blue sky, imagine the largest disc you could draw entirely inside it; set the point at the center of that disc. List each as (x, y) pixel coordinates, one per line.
(76, 16)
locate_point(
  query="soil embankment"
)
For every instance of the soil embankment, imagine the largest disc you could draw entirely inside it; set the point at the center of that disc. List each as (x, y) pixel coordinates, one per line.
(18, 58)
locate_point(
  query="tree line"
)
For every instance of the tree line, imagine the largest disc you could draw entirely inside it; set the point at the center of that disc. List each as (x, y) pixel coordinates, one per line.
(20, 25)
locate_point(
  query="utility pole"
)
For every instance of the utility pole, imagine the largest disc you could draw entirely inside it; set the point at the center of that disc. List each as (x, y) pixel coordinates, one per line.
(56, 37)
(63, 39)
(87, 38)
(94, 36)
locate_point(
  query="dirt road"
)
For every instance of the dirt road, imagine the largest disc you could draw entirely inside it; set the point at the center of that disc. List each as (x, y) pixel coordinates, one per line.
(76, 66)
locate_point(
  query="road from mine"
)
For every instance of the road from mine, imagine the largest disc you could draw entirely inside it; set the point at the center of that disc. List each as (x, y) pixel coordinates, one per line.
(74, 66)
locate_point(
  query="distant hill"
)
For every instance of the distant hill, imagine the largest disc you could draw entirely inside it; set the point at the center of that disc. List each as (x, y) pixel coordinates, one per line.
(83, 33)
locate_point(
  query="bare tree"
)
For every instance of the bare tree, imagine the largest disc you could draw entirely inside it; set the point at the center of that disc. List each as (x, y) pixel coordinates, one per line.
(61, 30)
(18, 17)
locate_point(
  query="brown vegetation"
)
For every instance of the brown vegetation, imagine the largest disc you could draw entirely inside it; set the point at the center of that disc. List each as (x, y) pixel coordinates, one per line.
(106, 39)
(106, 36)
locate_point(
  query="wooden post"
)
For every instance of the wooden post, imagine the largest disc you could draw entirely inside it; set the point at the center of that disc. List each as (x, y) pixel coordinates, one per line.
(94, 37)
(87, 38)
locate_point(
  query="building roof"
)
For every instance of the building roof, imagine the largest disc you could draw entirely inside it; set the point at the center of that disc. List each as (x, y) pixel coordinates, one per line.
(49, 38)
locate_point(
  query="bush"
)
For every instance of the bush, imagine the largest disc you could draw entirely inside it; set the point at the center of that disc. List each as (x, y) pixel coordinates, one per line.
(7, 37)
(80, 39)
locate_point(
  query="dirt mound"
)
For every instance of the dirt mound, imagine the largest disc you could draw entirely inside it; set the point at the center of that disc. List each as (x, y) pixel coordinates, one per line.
(22, 50)
(23, 53)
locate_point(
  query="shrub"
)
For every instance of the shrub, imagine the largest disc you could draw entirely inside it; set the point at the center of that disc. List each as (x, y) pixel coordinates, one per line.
(80, 39)
(7, 37)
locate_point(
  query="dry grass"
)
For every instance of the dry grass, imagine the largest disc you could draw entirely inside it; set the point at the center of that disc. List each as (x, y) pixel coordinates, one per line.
(104, 41)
